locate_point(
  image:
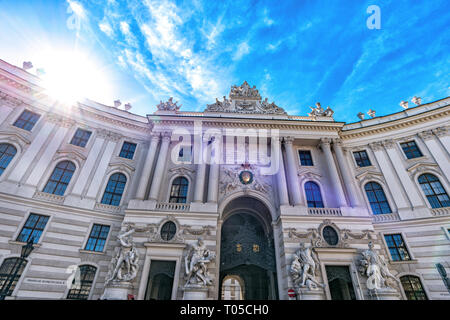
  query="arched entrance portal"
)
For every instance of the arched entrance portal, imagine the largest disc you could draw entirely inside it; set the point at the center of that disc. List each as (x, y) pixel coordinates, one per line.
(247, 250)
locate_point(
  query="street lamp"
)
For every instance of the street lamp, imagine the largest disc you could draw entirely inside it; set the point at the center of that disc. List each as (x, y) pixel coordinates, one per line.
(25, 252)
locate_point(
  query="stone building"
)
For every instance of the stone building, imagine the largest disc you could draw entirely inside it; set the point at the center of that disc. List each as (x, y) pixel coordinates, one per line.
(241, 200)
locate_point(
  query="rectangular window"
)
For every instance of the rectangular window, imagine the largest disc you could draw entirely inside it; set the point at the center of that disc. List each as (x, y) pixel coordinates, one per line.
(411, 150)
(397, 247)
(362, 159)
(128, 149)
(27, 120)
(305, 158)
(81, 138)
(97, 238)
(33, 228)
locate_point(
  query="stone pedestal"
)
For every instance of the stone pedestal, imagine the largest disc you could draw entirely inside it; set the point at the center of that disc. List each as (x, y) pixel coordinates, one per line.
(313, 294)
(117, 291)
(195, 293)
(385, 294)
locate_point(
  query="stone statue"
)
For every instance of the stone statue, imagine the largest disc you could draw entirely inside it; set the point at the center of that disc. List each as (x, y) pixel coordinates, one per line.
(125, 264)
(416, 100)
(375, 268)
(303, 268)
(404, 104)
(221, 106)
(168, 106)
(319, 111)
(196, 263)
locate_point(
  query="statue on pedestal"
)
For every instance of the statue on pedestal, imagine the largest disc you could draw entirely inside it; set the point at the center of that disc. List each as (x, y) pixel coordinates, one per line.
(303, 268)
(196, 263)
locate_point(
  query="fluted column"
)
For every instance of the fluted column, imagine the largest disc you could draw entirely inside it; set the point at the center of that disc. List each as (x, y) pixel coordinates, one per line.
(436, 150)
(201, 172)
(292, 169)
(149, 160)
(340, 197)
(281, 177)
(160, 164)
(349, 181)
(213, 182)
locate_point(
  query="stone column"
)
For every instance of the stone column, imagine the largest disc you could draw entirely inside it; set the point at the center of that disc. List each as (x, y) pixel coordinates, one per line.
(336, 181)
(436, 151)
(148, 165)
(411, 189)
(444, 137)
(160, 165)
(201, 172)
(292, 170)
(281, 178)
(349, 181)
(213, 183)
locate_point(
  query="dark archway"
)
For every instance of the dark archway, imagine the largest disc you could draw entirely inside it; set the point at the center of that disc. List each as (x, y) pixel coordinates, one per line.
(247, 249)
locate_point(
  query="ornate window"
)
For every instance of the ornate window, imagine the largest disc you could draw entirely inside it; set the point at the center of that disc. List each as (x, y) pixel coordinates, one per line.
(434, 191)
(33, 228)
(127, 150)
(179, 189)
(7, 152)
(60, 178)
(114, 189)
(81, 138)
(330, 235)
(411, 149)
(397, 247)
(82, 283)
(313, 195)
(97, 238)
(377, 198)
(168, 231)
(27, 120)
(362, 159)
(305, 158)
(10, 275)
(413, 288)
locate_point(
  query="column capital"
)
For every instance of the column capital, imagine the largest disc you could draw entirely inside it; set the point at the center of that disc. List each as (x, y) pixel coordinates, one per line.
(441, 132)
(337, 141)
(155, 136)
(426, 135)
(389, 143)
(376, 146)
(288, 140)
(166, 135)
(325, 142)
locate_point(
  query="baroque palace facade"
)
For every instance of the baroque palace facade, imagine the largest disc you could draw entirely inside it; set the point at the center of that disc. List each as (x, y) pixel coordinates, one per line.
(240, 201)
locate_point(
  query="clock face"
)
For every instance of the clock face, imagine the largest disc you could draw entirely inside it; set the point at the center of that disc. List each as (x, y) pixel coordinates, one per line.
(246, 177)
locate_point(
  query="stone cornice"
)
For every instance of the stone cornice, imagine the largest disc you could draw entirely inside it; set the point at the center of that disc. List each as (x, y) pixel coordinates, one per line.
(384, 128)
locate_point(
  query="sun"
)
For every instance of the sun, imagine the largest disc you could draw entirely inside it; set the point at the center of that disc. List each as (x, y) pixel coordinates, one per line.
(69, 76)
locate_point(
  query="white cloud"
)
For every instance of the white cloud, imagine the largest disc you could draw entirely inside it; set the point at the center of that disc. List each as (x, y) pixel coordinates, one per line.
(242, 50)
(106, 28)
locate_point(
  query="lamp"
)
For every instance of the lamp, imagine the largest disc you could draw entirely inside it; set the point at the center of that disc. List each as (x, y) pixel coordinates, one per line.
(27, 248)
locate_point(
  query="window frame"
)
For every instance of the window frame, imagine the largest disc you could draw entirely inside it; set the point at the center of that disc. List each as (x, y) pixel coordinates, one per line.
(87, 141)
(356, 161)
(11, 160)
(59, 181)
(21, 276)
(427, 294)
(94, 280)
(20, 114)
(134, 151)
(411, 255)
(300, 158)
(385, 195)
(439, 179)
(400, 143)
(105, 185)
(86, 241)
(22, 226)
(320, 191)
(187, 191)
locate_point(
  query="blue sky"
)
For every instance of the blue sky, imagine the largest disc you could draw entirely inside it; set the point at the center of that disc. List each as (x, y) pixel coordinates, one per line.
(295, 52)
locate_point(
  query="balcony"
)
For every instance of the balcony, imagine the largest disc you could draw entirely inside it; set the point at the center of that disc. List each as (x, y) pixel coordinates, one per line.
(325, 212)
(167, 206)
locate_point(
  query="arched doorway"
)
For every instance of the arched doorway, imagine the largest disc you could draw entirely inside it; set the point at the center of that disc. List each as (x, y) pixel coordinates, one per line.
(247, 250)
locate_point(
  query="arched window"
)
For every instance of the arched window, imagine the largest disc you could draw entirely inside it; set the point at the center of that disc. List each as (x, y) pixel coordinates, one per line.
(82, 283)
(178, 192)
(114, 189)
(413, 288)
(377, 198)
(7, 152)
(60, 178)
(10, 275)
(313, 195)
(432, 187)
